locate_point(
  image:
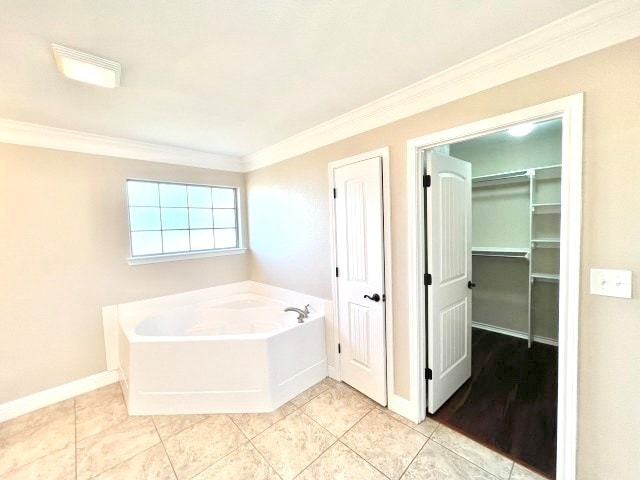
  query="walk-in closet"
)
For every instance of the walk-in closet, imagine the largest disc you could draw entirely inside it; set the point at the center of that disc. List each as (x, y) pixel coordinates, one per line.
(516, 231)
(510, 403)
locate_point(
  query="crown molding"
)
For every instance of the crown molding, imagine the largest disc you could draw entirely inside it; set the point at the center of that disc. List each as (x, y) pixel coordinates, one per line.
(20, 133)
(594, 28)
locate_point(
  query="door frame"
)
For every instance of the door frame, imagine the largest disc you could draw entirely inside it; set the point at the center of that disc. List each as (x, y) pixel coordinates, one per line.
(570, 110)
(334, 337)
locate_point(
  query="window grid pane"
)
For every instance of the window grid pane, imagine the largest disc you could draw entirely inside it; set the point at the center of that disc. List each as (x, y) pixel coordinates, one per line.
(170, 218)
(146, 243)
(144, 218)
(174, 218)
(224, 218)
(223, 197)
(143, 194)
(200, 218)
(175, 241)
(225, 237)
(202, 239)
(173, 195)
(199, 197)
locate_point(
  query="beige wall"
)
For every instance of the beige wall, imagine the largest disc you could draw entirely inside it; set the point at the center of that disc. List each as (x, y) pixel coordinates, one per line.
(297, 256)
(64, 242)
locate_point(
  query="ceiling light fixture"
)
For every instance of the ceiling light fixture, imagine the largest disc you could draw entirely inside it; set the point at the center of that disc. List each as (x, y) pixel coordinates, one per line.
(521, 130)
(86, 68)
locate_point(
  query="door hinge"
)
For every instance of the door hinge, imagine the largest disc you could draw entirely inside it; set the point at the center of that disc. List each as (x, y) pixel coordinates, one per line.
(337, 272)
(427, 374)
(426, 181)
(427, 279)
(339, 349)
(335, 193)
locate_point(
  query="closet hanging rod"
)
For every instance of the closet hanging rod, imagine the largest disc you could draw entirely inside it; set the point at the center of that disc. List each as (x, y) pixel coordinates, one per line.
(500, 255)
(498, 178)
(500, 252)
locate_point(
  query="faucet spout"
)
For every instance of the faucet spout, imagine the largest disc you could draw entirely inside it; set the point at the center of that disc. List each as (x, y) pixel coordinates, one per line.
(301, 313)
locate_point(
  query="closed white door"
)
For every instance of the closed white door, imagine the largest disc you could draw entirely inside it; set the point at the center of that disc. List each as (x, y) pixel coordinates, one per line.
(360, 264)
(448, 203)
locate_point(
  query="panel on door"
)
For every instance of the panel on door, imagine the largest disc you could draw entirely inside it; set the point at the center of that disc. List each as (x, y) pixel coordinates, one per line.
(360, 262)
(448, 206)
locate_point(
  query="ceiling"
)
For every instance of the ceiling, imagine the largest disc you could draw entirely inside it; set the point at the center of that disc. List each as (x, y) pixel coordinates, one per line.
(543, 129)
(233, 77)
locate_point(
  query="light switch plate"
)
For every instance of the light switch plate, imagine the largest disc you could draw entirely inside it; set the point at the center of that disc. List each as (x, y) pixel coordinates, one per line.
(611, 283)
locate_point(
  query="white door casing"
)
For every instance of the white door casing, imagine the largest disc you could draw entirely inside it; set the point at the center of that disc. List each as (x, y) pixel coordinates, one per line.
(570, 109)
(448, 209)
(360, 263)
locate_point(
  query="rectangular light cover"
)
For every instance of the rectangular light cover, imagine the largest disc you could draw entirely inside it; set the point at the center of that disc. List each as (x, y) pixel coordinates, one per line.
(86, 68)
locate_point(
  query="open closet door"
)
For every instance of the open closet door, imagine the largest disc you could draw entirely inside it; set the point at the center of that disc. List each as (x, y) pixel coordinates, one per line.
(448, 207)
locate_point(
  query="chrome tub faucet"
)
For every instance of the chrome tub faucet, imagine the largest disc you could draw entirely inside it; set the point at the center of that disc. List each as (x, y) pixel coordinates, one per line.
(302, 314)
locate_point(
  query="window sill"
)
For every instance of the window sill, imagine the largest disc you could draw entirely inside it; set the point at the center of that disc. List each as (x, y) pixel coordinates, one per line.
(183, 256)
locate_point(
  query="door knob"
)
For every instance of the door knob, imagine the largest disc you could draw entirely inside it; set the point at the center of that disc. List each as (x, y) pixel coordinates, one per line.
(470, 284)
(375, 297)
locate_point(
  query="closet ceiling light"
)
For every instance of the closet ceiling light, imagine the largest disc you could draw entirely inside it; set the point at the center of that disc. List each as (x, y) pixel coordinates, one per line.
(521, 130)
(86, 68)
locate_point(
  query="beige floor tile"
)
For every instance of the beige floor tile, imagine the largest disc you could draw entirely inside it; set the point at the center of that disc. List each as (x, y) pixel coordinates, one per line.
(293, 443)
(521, 473)
(60, 465)
(37, 418)
(168, 425)
(152, 464)
(384, 442)
(27, 438)
(245, 463)
(199, 446)
(99, 410)
(252, 424)
(310, 393)
(427, 427)
(337, 409)
(482, 456)
(288, 408)
(348, 388)
(330, 382)
(340, 463)
(115, 445)
(435, 462)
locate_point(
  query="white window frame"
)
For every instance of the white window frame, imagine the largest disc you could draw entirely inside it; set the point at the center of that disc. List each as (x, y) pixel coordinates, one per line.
(170, 257)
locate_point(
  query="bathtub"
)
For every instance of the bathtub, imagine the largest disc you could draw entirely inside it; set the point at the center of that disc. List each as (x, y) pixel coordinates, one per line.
(232, 354)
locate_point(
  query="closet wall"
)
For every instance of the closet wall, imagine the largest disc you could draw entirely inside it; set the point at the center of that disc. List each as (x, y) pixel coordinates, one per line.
(501, 218)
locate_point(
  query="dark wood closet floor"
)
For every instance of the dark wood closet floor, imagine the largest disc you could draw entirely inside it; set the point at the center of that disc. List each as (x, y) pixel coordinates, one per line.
(510, 402)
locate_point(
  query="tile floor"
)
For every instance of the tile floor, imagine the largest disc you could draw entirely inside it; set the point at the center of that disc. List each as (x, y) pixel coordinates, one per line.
(328, 432)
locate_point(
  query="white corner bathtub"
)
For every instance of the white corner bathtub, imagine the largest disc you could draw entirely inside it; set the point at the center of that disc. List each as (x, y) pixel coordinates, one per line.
(235, 353)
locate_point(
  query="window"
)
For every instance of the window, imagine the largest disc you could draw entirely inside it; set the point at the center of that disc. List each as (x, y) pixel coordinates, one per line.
(173, 218)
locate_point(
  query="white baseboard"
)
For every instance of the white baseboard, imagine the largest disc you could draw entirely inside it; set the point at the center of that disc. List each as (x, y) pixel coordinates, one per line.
(514, 333)
(403, 407)
(331, 371)
(57, 394)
